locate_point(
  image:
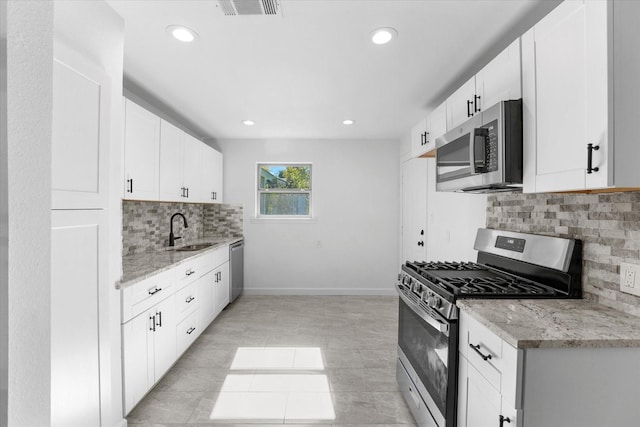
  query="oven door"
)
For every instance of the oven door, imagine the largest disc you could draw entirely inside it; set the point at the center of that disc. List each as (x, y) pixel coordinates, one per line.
(428, 351)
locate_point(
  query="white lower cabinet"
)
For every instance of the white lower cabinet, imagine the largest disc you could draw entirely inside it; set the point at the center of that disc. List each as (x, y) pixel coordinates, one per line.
(487, 377)
(501, 386)
(207, 291)
(149, 350)
(78, 284)
(164, 314)
(222, 287)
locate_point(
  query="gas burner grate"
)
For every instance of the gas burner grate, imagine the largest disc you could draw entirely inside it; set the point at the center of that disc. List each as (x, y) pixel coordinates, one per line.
(445, 265)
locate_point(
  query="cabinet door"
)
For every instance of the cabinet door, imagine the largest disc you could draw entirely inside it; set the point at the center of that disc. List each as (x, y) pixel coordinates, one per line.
(171, 164)
(414, 210)
(137, 358)
(460, 104)
(565, 97)
(222, 287)
(479, 404)
(192, 168)
(80, 132)
(218, 165)
(207, 293)
(437, 124)
(419, 138)
(141, 153)
(500, 79)
(78, 263)
(164, 337)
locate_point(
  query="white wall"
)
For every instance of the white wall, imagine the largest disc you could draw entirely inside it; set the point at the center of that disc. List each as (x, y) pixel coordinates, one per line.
(453, 220)
(350, 247)
(29, 101)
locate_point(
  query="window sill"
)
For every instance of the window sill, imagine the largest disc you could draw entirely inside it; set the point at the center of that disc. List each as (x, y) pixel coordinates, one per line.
(276, 220)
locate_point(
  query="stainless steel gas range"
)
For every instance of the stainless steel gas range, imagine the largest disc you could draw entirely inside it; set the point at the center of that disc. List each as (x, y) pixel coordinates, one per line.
(509, 265)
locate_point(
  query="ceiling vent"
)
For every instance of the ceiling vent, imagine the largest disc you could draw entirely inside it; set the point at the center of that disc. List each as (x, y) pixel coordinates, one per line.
(250, 7)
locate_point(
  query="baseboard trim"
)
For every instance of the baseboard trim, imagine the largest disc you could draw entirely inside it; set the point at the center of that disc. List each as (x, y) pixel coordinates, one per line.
(320, 291)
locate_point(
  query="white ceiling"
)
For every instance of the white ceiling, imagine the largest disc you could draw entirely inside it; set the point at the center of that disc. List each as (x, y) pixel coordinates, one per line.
(300, 74)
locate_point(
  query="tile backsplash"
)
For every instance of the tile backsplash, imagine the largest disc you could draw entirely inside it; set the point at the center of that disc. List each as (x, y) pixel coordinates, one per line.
(145, 225)
(608, 225)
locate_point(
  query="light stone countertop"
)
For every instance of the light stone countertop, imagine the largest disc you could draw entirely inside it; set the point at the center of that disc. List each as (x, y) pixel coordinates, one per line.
(138, 267)
(555, 323)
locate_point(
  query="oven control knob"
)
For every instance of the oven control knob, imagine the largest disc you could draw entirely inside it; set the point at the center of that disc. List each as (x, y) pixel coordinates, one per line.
(434, 301)
(406, 280)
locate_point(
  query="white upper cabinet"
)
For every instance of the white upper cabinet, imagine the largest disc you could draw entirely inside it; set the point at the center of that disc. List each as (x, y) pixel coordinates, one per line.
(192, 168)
(180, 165)
(419, 138)
(211, 175)
(437, 123)
(80, 126)
(142, 153)
(424, 134)
(460, 104)
(164, 163)
(171, 183)
(499, 80)
(580, 87)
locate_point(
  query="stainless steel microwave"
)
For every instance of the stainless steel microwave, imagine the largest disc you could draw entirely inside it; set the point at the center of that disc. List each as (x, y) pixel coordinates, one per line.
(484, 154)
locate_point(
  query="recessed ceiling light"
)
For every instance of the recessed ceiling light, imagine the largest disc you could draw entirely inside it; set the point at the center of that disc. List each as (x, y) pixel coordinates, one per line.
(181, 33)
(348, 122)
(248, 122)
(383, 35)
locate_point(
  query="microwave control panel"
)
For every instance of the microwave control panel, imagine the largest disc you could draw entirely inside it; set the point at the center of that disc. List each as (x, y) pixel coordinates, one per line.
(491, 146)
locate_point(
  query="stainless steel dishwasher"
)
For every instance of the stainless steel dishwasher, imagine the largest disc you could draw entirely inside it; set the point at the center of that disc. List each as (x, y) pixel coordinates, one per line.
(236, 267)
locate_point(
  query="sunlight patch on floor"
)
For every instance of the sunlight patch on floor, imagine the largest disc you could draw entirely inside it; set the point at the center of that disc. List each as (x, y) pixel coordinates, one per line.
(278, 358)
(284, 394)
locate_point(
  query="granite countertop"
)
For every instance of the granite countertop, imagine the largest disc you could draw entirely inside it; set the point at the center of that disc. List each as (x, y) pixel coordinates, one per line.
(138, 267)
(551, 323)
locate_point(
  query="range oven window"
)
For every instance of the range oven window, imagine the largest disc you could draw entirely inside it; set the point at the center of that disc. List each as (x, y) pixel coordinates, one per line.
(454, 159)
(428, 352)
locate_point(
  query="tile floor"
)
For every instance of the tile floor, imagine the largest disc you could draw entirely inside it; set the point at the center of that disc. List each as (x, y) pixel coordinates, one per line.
(294, 360)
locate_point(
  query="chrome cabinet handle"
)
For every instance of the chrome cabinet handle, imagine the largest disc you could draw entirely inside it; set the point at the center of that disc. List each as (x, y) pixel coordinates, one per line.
(153, 323)
(476, 348)
(188, 300)
(159, 319)
(154, 291)
(476, 109)
(190, 331)
(469, 104)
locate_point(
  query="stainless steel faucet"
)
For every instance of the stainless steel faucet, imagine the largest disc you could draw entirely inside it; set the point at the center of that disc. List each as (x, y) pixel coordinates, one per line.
(172, 238)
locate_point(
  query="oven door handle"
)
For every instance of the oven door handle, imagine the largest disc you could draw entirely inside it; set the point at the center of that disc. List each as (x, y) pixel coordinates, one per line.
(431, 321)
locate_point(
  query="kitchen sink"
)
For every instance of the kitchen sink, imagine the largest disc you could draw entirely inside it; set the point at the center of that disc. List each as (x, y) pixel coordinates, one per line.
(196, 247)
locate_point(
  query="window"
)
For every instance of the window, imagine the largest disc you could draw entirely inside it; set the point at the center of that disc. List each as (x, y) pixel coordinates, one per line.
(284, 190)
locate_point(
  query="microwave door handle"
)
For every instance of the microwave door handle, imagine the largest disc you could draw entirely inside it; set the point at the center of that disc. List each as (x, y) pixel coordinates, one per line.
(478, 150)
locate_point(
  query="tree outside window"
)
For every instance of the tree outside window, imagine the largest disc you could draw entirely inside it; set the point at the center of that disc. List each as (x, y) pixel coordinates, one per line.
(284, 190)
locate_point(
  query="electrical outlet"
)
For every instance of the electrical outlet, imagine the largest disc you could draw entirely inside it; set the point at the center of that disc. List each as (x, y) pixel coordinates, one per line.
(628, 275)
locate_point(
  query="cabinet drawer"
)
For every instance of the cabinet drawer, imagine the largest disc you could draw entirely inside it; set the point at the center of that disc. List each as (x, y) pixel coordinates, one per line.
(187, 331)
(482, 348)
(189, 271)
(220, 256)
(187, 299)
(141, 296)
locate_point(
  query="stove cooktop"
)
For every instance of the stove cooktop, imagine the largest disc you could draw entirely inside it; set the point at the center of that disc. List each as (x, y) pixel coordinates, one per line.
(454, 280)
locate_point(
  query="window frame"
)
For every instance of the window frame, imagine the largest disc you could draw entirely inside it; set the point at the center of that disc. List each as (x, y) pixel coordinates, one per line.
(260, 191)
